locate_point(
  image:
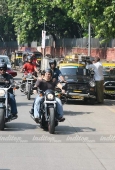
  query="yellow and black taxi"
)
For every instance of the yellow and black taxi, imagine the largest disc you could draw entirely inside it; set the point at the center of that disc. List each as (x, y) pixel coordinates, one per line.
(109, 79)
(79, 82)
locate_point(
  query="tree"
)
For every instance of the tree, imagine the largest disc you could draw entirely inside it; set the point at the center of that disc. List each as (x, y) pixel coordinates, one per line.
(6, 28)
(29, 17)
(100, 13)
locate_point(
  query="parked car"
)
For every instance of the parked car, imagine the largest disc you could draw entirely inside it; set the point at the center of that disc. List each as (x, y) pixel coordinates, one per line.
(12, 72)
(80, 84)
(109, 81)
(6, 60)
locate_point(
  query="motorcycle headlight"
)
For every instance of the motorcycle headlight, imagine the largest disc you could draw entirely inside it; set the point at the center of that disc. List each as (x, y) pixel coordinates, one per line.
(92, 83)
(2, 93)
(30, 76)
(50, 96)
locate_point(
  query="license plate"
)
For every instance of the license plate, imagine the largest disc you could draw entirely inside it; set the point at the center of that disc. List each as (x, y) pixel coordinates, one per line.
(109, 91)
(77, 97)
(77, 91)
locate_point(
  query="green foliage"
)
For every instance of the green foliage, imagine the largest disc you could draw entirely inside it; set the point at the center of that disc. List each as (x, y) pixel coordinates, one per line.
(6, 27)
(101, 15)
(62, 18)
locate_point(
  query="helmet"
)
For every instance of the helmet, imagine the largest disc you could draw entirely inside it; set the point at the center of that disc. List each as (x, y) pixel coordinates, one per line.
(52, 62)
(48, 71)
(29, 58)
(3, 65)
(42, 72)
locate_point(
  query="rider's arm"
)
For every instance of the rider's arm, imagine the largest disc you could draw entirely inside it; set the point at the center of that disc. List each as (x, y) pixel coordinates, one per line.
(23, 68)
(35, 69)
(37, 85)
(60, 76)
(60, 87)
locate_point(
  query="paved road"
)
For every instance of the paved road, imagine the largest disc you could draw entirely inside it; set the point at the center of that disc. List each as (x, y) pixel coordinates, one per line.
(85, 141)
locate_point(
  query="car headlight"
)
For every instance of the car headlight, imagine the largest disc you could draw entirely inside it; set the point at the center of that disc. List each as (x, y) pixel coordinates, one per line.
(92, 83)
(2, 93)
(50, 96)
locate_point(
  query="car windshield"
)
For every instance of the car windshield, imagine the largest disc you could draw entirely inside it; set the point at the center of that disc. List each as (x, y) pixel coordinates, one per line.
(74, 71)
(6, 59)
(109, 72)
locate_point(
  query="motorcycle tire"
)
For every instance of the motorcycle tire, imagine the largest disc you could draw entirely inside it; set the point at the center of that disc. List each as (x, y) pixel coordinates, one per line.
(51, 126)
(2, 119)
(29, 92)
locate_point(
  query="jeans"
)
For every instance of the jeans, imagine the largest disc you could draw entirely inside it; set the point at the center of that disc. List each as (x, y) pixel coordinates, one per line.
(37, 107)
(12, 103)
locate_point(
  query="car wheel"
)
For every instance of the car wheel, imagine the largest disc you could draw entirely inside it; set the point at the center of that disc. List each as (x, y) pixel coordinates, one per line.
(92, 101)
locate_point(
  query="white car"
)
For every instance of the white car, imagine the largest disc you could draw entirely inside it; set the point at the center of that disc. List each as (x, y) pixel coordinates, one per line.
(6, 60)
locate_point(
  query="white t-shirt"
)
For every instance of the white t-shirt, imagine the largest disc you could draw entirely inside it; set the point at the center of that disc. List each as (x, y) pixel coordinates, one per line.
(98, 70)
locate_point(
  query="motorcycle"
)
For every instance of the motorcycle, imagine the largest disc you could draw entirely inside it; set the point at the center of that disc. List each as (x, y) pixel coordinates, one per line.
(48, 110)
(5, 110)
(27, 84)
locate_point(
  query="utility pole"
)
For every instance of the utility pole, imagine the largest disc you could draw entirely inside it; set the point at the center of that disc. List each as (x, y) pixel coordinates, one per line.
(44, 41)
(89, 39)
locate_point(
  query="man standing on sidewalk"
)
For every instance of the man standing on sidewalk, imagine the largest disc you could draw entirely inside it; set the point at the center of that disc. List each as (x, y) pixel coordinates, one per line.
(99, 78)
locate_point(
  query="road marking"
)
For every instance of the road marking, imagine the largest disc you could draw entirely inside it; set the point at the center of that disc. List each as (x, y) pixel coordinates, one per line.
(113, 110)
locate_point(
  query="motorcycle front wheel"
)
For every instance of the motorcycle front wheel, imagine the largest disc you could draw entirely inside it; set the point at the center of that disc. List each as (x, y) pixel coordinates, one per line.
(29, 92)
(2, 119)
(51, 126)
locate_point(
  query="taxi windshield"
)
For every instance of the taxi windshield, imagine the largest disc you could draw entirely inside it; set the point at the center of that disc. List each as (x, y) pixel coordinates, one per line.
(107, 71)
(73, 71)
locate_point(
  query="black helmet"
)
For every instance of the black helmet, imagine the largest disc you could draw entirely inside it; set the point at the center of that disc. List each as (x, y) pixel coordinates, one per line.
(48, 70)
(52, 61)
(29, 57)
(3, 65)
(42, 72)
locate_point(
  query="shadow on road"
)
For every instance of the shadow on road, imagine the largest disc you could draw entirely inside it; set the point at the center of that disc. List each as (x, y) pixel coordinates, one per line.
(64, 130)
(108, 102)
(70, 113)
(19, 126)
(25, 104)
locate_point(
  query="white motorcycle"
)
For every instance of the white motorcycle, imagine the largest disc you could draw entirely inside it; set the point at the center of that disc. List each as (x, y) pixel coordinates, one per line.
(28, 83)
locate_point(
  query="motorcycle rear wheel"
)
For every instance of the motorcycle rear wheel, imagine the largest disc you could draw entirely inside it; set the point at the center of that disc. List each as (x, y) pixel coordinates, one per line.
(51, 126)
(2, 119)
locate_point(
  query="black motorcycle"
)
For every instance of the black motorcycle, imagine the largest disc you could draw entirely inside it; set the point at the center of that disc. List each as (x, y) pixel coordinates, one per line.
(48, 111)
(5, 110)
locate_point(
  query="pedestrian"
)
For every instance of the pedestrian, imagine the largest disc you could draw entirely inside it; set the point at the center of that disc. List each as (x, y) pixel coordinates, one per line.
(99, 78)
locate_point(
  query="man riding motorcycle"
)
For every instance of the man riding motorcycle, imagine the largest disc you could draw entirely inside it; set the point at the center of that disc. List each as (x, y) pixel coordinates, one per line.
(8, 80)
(28, 67)
(56, 72)
(47, 83)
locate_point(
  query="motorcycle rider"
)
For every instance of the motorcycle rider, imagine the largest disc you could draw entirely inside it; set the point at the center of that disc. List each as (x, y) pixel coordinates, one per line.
(56, 72)
(47, 83)
(8, 80)
(28, 67)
